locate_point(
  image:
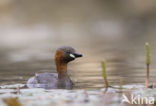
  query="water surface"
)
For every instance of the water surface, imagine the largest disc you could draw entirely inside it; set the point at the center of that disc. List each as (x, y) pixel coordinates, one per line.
(32, 31)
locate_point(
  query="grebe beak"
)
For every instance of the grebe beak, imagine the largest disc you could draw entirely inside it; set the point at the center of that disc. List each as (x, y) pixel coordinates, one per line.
(77, 55)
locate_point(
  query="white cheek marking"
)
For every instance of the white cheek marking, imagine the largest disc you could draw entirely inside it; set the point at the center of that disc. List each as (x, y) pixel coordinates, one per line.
(71, 55)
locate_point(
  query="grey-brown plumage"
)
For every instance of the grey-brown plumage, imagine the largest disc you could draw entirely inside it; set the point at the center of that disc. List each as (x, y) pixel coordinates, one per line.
(53, 80)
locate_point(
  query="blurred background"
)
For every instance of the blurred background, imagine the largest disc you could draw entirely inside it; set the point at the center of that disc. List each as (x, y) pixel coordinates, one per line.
(115, 31)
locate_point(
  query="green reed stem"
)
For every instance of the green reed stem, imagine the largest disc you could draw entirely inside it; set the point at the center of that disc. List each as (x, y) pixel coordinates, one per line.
(147, 64)
(104, 74)
(147, 54)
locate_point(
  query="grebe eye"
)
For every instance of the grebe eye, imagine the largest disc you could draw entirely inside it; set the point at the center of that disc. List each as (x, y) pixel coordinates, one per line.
(71, 55)
(68, 52)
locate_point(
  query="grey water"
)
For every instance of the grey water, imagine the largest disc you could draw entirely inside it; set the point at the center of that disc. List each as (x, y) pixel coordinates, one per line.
(30, 36)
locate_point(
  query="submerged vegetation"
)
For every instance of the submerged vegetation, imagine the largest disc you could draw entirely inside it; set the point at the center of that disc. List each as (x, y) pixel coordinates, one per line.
(12, 102)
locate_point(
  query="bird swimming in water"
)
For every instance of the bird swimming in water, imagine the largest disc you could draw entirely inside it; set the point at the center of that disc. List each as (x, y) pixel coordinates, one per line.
(53, 80)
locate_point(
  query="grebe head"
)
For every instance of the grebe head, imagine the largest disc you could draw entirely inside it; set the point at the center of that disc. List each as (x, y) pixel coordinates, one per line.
(66, 54)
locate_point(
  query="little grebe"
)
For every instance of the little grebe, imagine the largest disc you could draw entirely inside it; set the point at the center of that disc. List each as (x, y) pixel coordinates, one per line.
(53, 80)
